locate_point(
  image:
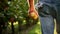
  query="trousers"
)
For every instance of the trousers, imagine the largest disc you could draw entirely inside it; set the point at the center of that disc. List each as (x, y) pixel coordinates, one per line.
(47, 14)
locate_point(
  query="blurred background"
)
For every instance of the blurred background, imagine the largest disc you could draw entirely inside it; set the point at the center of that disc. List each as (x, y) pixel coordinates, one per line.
(14, 18)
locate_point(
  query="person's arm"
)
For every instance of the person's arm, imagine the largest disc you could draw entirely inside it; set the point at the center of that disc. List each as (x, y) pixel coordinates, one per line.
(32, 11)
(31, 4)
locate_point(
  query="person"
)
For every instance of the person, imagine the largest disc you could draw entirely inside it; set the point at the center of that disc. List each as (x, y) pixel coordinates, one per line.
(48, 10)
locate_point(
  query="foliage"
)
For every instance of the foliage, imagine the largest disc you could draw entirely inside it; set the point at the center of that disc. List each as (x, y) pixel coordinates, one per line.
(14, 10)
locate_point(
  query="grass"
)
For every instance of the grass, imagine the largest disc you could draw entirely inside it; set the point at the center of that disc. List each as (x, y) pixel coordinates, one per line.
(36, 29)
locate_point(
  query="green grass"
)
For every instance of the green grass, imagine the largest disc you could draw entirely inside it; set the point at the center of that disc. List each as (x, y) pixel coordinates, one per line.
(35, 30)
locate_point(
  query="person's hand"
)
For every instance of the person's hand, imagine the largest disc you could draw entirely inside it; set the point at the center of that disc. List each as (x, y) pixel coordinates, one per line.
(33, 14)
